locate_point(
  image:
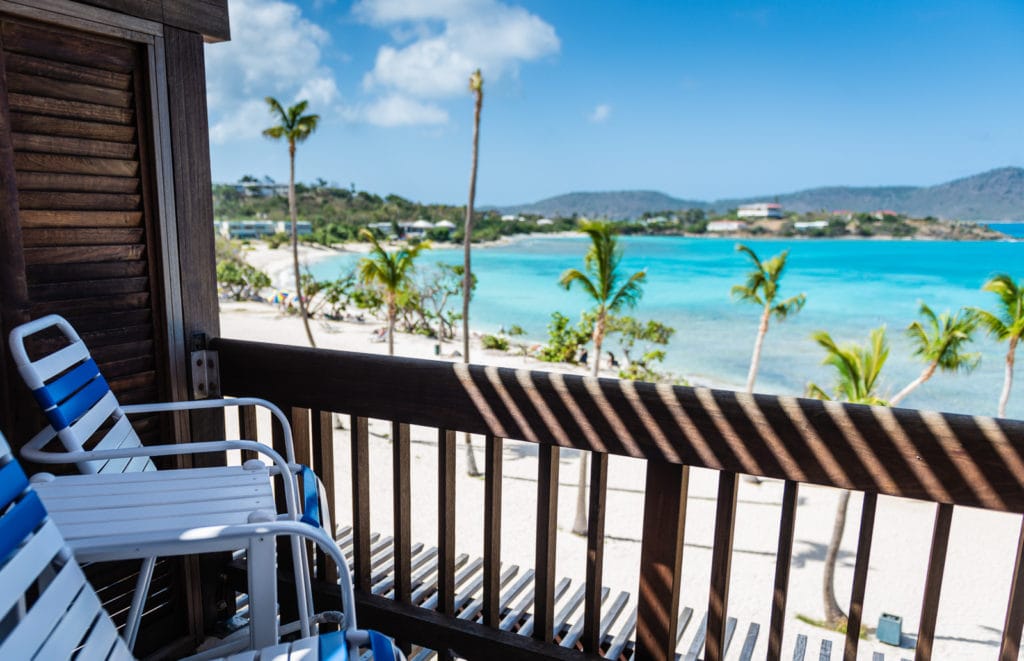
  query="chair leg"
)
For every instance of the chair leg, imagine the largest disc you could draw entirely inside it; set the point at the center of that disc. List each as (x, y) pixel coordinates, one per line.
(131, 628)
(262, 570)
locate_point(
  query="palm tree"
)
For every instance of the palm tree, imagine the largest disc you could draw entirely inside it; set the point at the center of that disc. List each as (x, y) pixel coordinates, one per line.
(295, 128)
(611, 290)
(939, 341)
(762, 288)
(476, 86)
(1006, 324)
(391, 270)
(857, 371)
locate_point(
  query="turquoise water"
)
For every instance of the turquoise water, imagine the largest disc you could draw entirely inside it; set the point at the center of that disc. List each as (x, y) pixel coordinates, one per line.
(851, 287)
(1011, 228)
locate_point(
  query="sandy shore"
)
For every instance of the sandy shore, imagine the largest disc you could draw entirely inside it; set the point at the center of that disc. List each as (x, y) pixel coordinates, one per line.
(978, 567)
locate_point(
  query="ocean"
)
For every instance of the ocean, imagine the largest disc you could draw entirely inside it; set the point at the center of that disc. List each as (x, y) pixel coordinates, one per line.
(852, 286)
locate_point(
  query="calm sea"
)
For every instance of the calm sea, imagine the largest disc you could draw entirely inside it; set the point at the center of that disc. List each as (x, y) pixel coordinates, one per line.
(851, 287)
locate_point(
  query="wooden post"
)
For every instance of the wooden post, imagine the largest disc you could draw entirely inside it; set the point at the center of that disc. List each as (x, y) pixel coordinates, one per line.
(661, 557)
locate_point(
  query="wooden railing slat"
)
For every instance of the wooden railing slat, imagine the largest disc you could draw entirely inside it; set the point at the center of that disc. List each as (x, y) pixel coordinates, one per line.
(360, 450)
(661, 556)
(493, 447)
(446, 521)
(247, 430)
(323, 466)
(547, 528)
(595, 552)
(933, 582)
(721, 563)
(860, 575)
(1009, 648)
(402, 492)
(783, 561)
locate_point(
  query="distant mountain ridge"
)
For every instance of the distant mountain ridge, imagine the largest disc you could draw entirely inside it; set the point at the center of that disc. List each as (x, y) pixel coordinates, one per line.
(994, 195)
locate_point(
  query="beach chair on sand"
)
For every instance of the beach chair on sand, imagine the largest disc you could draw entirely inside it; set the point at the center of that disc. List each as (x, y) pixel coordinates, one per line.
(120, 492)
(49, 611)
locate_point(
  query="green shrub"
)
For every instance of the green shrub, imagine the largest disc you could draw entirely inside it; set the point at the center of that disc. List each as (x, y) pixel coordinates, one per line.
(494, 342)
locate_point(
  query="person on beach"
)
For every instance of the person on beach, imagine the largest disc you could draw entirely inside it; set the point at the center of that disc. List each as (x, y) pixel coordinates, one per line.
(612, 363)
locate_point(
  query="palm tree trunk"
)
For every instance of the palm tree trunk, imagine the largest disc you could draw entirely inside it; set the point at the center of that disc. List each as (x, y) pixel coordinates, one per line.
(1004, 398)
(834, 615)
(467, 276)
(294, 213)
(755, 360)
(580, 525)
(391, 323)
(912, 386)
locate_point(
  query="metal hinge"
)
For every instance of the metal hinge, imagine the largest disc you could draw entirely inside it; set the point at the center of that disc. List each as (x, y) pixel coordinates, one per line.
(205, 369)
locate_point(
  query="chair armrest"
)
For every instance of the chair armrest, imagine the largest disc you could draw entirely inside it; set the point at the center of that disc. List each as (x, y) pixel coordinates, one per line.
(130, 546)
(199, 404)
(32, 452)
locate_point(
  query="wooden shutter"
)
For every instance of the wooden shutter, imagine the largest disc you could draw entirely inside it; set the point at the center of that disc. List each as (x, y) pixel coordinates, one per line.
(82, 164)
(77, 108)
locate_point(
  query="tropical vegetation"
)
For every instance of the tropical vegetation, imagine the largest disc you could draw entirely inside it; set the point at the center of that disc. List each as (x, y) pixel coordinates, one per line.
(293, 127)
(857, 371)
(392, 271)
(611, 290)
(762, 288)
(1005, 324)
(939, 341)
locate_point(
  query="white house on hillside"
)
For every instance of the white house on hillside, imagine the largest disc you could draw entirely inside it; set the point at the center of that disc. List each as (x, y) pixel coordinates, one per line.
(726, 226)
(760, 210)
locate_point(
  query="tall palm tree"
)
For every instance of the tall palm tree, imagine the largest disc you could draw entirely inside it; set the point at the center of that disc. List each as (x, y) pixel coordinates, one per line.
(391, 270)
(857, 372)
(1006, 324)
(476, 86)
(940, 341)
(611, 290)
(294, 127)
(762, 288)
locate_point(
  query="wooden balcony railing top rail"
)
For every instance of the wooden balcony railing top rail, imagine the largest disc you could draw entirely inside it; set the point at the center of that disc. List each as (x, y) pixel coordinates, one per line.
(943, 458)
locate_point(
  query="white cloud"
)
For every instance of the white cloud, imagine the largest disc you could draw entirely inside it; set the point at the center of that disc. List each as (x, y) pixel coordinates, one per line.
(398, 110)
(438, 44)
(600, 113)
(273, 51)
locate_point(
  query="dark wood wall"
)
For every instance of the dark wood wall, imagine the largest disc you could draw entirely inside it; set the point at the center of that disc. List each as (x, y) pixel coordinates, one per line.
(92, 128)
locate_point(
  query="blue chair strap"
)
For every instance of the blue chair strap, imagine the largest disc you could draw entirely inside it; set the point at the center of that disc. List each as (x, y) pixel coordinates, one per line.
(67, 384)
(19, 522)
(381, 646)
(12, 483)
(333, 646)
(65, 413)
(310, 499)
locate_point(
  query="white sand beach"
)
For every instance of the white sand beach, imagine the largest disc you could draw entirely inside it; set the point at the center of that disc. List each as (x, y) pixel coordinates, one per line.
(980, 557)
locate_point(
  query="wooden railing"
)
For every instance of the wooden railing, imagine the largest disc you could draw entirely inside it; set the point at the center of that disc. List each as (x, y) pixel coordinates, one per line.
(947, 459)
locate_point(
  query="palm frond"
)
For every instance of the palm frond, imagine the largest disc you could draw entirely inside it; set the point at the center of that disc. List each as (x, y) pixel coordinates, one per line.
(575, 275)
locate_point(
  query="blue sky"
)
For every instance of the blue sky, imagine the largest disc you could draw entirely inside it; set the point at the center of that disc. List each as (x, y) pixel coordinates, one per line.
(698, 99)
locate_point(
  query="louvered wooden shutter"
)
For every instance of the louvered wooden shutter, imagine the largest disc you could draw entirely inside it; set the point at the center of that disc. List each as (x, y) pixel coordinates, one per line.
(82, 156)
(81, 171)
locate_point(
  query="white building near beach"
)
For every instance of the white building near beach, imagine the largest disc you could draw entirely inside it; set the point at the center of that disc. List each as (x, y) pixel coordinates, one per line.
(726, 226)
(760, 210)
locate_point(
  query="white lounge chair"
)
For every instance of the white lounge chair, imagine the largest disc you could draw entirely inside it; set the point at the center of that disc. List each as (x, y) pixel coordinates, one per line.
(48, 610)
(121, 493)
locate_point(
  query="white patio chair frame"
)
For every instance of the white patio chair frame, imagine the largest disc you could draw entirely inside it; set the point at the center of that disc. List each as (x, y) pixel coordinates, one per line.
(127, 446)
(66, 616)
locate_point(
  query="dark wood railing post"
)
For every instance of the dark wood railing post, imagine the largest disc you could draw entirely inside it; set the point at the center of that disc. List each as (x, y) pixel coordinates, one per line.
(1009, 649)
(860, 575)
(661, 557)
(721, 564)
(547, 528)
(595, 552)
(783, 561)
(933, 582)
(323, 466)
(360, 448)
(402, 493)
(492, 530)
(446, 521)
